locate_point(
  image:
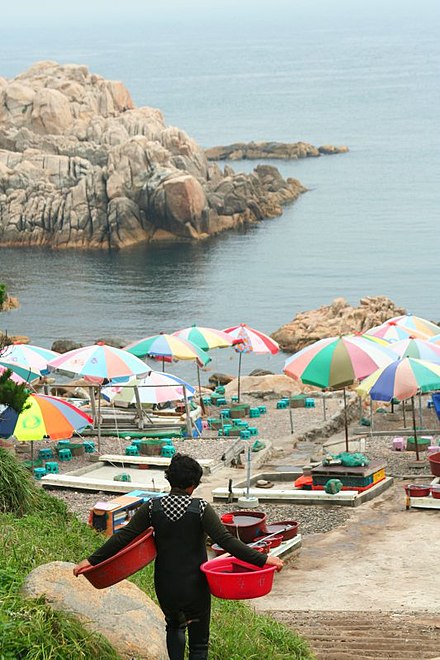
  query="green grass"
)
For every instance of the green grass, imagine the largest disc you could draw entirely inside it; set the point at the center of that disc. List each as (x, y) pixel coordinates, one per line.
(31, 629)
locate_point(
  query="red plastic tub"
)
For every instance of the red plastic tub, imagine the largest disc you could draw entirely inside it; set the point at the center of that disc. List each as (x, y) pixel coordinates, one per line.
(417, 490)
(435, 491)
(434, 462)
(233, 579)
(245, 525)
(287, 528)
(137, 554)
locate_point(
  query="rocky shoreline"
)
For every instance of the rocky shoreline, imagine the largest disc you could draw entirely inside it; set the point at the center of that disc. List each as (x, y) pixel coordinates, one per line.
(82, 167)
(272, 150)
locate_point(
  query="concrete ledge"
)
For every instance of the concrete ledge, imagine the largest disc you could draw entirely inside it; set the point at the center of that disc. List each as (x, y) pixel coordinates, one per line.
(91, 483)
(159, 461)
(299, 496)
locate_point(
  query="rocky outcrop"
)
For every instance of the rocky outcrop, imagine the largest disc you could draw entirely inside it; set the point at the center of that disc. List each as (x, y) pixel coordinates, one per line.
(338, 318)
(268, 387)
(131, 622)
(274, 150)
(81, 166)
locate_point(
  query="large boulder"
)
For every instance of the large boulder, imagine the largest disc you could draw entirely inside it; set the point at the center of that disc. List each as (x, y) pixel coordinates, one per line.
(338, 318)
(267, 387)
(272, 150)
(81, 166)
(123, 614)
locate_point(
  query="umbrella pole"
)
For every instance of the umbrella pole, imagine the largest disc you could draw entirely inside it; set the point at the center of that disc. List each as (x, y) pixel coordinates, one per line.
(248, 485)
(290, 414)
(239, 372)
(324, 410)
(414, 428)
(404, 414)
(99, 417)
(345, 421)
(32, 454)
(420, 410)
(188, 418)
(202, 405)
(139, 406)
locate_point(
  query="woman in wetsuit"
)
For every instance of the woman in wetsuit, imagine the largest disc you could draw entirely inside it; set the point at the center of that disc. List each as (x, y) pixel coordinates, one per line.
(181, 524)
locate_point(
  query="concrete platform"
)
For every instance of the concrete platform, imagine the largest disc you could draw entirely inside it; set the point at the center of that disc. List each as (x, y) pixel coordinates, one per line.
(158, 461)
(99, 476)
(299, 496)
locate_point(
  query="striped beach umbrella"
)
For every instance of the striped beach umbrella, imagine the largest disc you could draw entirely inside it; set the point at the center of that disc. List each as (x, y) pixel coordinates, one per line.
(157, 387)
(336, 362)
(171, 347)
(401, 380)
(417, 323)
(420, 349)
(205, 338)
(26, 360)
(393, 331)
(249, 340)
(43, 417)
(14, 377)
(98, 363)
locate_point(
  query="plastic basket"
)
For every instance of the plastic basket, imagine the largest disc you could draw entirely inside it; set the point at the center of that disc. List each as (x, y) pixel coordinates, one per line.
(434, 462)
(232, 579)
(137, 554)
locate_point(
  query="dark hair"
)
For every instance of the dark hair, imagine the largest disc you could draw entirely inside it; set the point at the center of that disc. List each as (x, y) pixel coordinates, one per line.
(183, 471)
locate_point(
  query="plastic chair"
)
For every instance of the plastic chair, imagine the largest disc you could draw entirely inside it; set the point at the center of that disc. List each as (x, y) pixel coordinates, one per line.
(44, 454)
(39, 472)
(64, 455)
(52, 467)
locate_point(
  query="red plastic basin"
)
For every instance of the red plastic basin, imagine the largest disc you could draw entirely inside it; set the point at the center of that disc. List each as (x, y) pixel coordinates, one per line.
(245, 525)
(434, 462)
(417, 490)
(137, 554)
(287, 528)
(233, 579)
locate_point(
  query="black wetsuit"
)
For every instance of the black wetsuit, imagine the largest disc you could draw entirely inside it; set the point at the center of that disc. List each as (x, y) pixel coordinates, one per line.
(181, 524)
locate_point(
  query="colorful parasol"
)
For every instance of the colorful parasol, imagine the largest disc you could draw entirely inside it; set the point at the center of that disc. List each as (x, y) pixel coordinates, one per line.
(44, 417)
(165, 346)
(420, 349)
(157, 387)
(401, 380)
(205, 338)
(249, 340)
(417, 324)
(98, 363)
(15, 377)
(26, 360)
(336, 362)
(393, 331)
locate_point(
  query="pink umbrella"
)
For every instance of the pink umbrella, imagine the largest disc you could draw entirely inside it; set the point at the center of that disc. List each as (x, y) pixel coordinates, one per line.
(250, 341)
(15, 377)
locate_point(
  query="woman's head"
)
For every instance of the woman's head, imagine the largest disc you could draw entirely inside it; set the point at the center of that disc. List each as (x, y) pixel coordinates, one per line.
(183, 472)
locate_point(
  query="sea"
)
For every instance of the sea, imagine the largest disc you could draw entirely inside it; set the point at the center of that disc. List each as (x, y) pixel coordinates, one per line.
(365, 75)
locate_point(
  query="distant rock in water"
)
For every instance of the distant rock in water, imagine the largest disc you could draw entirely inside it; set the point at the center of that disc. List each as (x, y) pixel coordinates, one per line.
(339, 318)
(81, 167)
(275, 150)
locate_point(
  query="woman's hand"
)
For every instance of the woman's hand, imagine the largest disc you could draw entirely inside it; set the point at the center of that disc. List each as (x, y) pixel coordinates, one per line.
(83, 564)
(274, 561)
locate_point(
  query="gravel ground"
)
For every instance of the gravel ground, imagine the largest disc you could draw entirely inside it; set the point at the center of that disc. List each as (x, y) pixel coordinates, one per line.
(273, 426)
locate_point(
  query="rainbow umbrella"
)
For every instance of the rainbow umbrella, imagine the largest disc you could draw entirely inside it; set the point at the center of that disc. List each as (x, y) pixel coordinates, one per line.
(401, 380)
(249, 340)
(157, 387)
(169, 347)
(205, 338)
(43, 417)
(26, 360)
(98, 363)
(420, 349)
(416, 324)
(393, 331)
(336, 362)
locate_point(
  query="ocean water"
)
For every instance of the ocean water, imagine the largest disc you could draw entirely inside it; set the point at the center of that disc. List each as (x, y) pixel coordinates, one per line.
(340, 72)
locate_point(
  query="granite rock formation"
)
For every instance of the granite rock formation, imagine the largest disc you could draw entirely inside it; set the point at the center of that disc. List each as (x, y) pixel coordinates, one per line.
(338, 318)
(273, 150)
(81, 166)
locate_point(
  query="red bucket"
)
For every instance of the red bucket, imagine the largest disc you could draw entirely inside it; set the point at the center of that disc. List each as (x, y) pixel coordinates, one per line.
(417, 490)
(287, 528)
(137, 554)
(245, 525)
(233, 579)
(434, 462)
